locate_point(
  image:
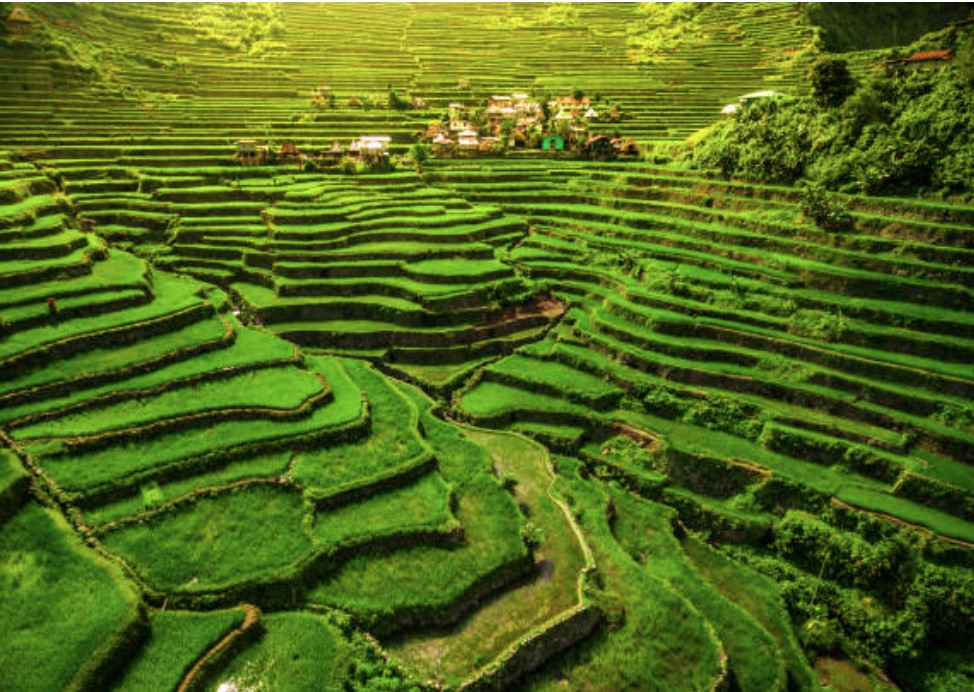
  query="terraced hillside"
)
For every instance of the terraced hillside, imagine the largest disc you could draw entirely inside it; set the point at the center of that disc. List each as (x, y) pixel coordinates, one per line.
(527, 421)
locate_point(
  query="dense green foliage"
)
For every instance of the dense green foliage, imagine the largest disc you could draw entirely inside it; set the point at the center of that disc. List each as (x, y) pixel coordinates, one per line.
(909, 131)
(759, 393)
(850, 26)
(177, 640)
(63, 608)
(869, 591)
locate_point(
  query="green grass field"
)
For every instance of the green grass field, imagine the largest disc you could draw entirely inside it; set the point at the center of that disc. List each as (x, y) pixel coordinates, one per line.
(512, 418)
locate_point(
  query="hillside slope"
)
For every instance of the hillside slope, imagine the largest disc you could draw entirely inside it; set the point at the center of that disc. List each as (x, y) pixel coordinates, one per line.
(463, 423)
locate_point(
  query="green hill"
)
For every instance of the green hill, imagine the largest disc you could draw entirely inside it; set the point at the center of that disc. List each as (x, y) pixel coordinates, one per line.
(423, 417)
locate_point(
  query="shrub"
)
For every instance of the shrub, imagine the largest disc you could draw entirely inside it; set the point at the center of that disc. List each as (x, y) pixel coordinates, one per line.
(824, 208)
(419, 154)
(817, 324)
(832, 83)
(396, 102)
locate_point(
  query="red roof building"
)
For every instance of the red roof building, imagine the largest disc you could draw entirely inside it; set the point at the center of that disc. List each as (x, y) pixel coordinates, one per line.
(925, 56)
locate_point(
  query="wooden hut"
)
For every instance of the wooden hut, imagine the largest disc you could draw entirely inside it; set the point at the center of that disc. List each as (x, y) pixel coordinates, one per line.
(289, 152)
(249, 153)
(19, 22)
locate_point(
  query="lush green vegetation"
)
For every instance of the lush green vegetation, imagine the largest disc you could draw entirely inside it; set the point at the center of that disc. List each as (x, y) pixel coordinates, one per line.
(233, 397)
(176, 641)
(895, 133)
(69, 616)
(312, 648)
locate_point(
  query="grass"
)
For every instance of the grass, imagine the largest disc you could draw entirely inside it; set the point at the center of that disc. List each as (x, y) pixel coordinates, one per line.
(393, 441)
(758, 596)
(424, 578)
(177, 640)
(452, 655)
(910, 512)
(217, 541)
(146, 456)
(645, 531)
(300, 651)
(61, 604)
(662, 642)
(280, 389)
(422, 505)
(152, 494)
(491, 400)
(572, 384)
(172, 294)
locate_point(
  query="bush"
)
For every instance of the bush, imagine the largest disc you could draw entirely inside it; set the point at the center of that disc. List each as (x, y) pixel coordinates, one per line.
(832, 83)
(817, 324)
(419, 154)
(824, 208)
(396, 102)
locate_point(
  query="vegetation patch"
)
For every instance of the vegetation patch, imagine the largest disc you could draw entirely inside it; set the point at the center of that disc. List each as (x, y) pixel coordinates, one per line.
(211, 543)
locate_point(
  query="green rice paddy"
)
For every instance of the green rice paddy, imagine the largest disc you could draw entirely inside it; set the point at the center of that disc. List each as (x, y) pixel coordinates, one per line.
(524, 421)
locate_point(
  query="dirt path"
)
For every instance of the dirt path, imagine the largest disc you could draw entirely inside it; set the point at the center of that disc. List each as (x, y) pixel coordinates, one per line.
(251, 618)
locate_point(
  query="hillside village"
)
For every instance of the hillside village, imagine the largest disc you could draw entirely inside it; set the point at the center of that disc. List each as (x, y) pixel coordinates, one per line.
(452, 374)
(505, 123)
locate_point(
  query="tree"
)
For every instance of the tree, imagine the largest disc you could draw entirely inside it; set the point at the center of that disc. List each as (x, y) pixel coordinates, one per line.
(965, 62)
(832, 83)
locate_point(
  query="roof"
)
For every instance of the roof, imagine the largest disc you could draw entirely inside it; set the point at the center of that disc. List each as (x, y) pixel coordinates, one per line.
(468, 133)
(930, 55)
(18, 15)
(759, 95)
(375, 138)
(754, 95)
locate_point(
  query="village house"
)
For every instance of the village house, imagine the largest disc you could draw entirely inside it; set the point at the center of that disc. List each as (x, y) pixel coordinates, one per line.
(443, 145)
(370, 148)
(333, 155)
(321, 97)
(289, 152)
(922, 60)
(19, 21)
(468, 142)
(249, 153)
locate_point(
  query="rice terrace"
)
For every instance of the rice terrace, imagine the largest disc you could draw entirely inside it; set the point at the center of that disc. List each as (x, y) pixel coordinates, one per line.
(471, 346)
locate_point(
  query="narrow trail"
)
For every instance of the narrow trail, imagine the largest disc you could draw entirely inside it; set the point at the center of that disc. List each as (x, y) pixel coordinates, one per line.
(252, 617)
(579, 535)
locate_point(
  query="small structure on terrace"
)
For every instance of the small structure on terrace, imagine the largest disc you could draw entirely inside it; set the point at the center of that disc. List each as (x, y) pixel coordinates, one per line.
(922, 60)
(332, 155)
(289, 152)
(19, 22)
(443, 145)
(249, 153)
(468, 142)
(753, 96)
(322, 97)
(371, 148)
